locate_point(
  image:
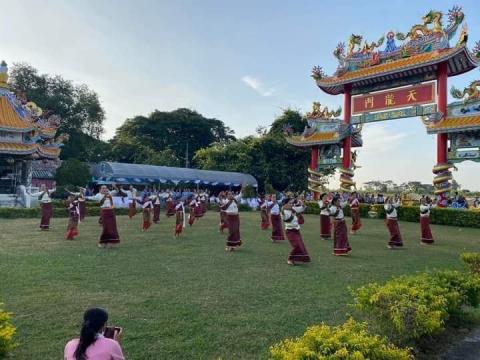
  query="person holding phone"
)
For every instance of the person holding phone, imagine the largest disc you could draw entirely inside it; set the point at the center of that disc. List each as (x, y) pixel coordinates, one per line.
(97, 341)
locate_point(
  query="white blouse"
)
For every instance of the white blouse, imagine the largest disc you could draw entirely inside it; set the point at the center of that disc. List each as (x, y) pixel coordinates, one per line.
(293, 223)
(44, 196)
(393, 208)
(325, 211)
(232, 208)
(332, 210)
(275, 210)
(107, 204)
(425, 210)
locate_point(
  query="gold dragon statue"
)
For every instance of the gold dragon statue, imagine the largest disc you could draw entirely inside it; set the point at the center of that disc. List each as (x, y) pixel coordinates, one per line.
(470, 93)
(319, 113)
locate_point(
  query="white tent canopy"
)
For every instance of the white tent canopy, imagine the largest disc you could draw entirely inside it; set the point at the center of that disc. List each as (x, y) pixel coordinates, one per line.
(121, 173)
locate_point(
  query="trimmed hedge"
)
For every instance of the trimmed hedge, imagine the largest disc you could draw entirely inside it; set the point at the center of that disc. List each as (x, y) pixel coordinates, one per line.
(440, 216)
(16, 213)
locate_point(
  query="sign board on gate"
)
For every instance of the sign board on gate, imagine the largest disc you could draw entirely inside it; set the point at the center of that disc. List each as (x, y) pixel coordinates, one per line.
(420, 94)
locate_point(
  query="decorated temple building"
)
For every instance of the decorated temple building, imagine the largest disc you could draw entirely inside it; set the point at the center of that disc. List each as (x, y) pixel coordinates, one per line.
(27, 134)
(401, 75)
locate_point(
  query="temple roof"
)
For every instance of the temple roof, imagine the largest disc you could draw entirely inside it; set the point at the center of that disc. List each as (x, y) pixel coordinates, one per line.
(9, 118)
(316, 138)
(459, 61)
(455, 124)
(28, 149)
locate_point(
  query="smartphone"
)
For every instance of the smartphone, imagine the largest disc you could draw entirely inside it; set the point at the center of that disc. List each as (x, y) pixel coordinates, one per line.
(110, 331)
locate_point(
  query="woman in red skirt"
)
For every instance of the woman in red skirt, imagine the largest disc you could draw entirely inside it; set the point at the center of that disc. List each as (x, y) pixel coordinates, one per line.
(147, 208)
(300, 206)
(222, 200)
(355, 212)
(276, 220)
(192, 210)
(264, 222)
(292, 230)
(44, 196)
(233, 220)
(170, 206)
(341, 246)
(325, 222)
(109, 236)
(179, 218)
(391, 207)
(82, 207)
(73, 218)
(425, 206)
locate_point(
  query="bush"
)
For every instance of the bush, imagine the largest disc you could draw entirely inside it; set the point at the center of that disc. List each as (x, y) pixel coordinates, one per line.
(58, 212)
(350, 340)
(408, 308)
(440, 216)
(472, 260)
(73, 172)
(7, 332)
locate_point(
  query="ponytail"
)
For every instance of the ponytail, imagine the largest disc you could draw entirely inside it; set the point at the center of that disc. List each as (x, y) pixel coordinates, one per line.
(93, 321)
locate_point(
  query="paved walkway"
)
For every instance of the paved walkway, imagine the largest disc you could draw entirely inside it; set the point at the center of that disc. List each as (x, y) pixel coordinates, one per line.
(467, 349)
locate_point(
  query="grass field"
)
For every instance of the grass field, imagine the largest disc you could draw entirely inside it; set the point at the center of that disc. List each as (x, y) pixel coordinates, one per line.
(187, 298)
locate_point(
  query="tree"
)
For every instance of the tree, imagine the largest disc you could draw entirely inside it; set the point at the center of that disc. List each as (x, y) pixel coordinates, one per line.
(179, 131)
(266, 156)
(73, 172)
(78, 106)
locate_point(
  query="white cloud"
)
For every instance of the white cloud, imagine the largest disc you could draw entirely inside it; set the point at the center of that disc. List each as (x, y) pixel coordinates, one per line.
(257, 86)
(378, 138)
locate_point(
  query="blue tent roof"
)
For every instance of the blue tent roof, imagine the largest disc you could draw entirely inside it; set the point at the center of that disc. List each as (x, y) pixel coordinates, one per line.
(147, 174)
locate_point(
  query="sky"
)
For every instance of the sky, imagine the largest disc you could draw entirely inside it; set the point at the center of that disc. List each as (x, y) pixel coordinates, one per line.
(238, 61)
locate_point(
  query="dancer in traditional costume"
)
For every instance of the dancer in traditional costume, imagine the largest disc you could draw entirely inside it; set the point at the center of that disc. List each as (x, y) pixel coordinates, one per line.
(341, 246)
(392, 223)
(170, 206)
(156, 207)
(82, 207)
(132, 202)
(203, 202)
(264, 218)
(276, 220)
(233, 220)
(325, 222)
(292, 230)
(192, 210)
(44, 196)
(425, 206)
(179, 218)
(355, 213)
(109, 236)
(147, 208)
(198, 208)
(73, 218)
(222, 200)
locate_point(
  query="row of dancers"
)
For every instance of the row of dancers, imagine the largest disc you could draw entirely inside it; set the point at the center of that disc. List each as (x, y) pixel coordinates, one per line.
(273, 214)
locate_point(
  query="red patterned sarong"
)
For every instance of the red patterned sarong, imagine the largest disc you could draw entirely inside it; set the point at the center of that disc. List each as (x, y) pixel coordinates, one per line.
(170, 208)
(46, 215)
(395, 237)
(427, 237)
(147, 219)
(82, 208)
(299, 252)
(72, 227)
(109, 225)
(156, 213)
(265, 223)
(277, 231)
(340, 238)
(132, 209)
(325, 227)
(223, 221)
(233, 239)
(300, 219)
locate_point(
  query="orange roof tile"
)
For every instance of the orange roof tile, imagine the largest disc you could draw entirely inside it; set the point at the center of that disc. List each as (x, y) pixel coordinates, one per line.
(9, 118)
(49, 151)
(456, 123)
(326, 137)
(389, 66)
(17, 147)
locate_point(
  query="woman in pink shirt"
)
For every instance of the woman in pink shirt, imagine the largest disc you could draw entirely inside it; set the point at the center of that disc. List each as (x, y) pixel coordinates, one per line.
(92, 345)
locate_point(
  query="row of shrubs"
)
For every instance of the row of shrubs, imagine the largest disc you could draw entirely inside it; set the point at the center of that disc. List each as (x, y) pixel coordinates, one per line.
(440, 216)
(404, 310)
(60, 210)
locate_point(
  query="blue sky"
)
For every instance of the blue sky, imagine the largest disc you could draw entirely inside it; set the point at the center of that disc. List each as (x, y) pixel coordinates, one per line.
(239, 61)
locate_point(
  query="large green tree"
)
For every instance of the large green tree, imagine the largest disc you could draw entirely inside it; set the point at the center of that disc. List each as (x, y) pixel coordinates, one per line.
(167, 136)
(267, 156)
(78, 106)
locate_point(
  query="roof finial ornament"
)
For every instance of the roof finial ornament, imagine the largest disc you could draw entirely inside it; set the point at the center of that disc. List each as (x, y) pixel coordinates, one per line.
(3, 75)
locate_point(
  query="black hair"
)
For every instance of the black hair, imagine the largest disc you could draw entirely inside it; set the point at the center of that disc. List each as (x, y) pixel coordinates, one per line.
(286, 200)
(322, 195)
(94, 320)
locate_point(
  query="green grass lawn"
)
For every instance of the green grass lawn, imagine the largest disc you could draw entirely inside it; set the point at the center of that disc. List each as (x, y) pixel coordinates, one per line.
(187, 298)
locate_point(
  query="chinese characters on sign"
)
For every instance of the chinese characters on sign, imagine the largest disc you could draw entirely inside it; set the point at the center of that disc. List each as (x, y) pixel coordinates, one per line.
(394, 99)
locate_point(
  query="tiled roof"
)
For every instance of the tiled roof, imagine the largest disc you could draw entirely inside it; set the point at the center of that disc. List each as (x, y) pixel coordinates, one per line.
(26, 149)
(453, 124)
(316, 138)
(9, 119)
